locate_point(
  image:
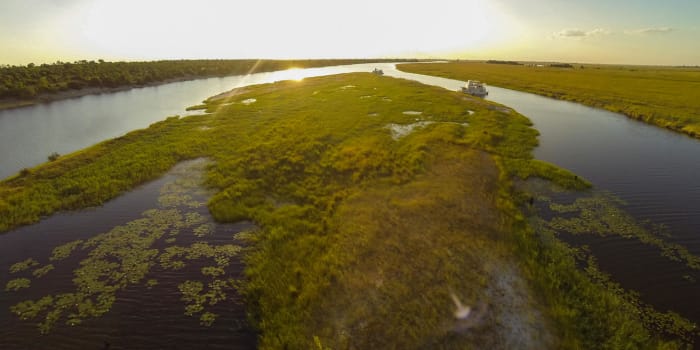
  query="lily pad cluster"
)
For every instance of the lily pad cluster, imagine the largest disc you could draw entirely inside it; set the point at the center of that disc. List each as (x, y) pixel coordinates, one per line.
(602, 214)
(126, 255)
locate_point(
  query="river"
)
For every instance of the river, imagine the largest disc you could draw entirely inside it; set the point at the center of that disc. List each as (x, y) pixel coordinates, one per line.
(655, 171)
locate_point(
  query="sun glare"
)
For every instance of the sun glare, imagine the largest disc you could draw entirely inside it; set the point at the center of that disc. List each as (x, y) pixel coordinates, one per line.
(295, 74)
(321, 32)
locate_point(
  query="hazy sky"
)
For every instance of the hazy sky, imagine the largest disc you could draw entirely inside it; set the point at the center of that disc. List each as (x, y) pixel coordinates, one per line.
(604, 31)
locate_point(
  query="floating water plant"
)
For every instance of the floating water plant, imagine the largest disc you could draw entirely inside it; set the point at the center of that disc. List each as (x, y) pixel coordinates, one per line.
(23, 265)
(63, 251)
(601, 214)
(203, 230)
(17, 284)
(40, 272)
(207, 319)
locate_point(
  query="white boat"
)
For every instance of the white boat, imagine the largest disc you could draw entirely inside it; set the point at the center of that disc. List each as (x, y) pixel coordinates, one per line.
(378, 71)
(475, 87)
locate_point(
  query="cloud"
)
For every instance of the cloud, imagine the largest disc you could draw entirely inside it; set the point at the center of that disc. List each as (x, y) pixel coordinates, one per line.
(597, 31)
(571, 33)
(579, 33)
(651, 30)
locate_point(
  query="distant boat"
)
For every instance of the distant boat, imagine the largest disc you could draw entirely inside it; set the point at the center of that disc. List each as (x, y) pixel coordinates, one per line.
(378, 71)
(475, 87)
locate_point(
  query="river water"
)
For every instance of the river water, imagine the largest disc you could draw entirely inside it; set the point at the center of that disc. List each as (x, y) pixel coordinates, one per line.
(654, 170)
(145, 315)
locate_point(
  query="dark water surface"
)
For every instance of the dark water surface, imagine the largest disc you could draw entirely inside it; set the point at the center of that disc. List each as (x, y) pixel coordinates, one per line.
(655, 171)
(142, 317)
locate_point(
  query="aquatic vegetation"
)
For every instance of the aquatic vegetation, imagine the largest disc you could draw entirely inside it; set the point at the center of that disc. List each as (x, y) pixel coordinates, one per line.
(664, 322)
(190, 293)
(560, 211)
(126, 255)
(194, 218)
(17, 284)
(197, 297)
(575, 294)
(213, 271)
(641, 93)
(203, 230)
(29, 309)
(40, 272)
(601, 214)
(63, 251)
(207, 318)
(23, 265)
(194, 294)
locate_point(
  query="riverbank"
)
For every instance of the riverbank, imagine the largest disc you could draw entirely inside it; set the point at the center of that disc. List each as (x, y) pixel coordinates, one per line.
(63, 95)
(31, 85)
(662, 96)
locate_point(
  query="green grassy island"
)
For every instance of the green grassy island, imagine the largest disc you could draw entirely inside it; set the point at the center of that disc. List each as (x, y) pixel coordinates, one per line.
(382, 206)
(668, 97)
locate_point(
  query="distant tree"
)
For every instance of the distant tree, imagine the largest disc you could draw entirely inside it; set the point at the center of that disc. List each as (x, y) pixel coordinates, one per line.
(43, 84)
(27, 92)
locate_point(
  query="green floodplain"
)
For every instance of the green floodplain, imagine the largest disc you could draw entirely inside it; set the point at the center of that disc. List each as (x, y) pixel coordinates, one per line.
(668, 97)
(382, 205)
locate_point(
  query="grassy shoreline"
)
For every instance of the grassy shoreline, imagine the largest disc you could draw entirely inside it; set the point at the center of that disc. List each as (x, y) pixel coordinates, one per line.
(31, 85)
(65, 95)
(661, 96)
(367, 234)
